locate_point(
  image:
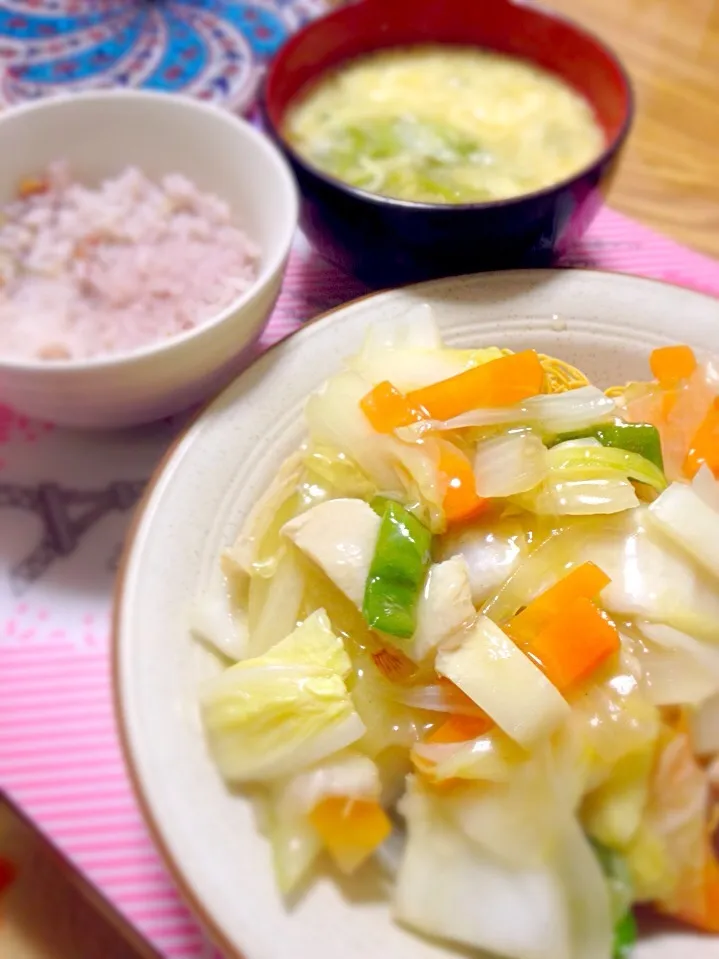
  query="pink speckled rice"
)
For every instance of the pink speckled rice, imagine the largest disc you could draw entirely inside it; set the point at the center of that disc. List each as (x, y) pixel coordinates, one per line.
(86, 272)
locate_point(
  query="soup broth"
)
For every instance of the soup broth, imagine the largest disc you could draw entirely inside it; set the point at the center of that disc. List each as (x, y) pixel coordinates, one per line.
(442, 124)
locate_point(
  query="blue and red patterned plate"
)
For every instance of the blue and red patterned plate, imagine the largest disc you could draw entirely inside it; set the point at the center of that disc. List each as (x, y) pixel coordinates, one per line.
(212, 49)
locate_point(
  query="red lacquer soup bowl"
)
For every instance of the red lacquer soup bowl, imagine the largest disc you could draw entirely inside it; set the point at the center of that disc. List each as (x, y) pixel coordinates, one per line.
(385, 240)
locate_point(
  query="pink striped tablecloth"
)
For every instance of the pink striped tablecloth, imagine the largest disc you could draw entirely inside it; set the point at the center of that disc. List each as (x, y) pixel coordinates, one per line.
(65, 501)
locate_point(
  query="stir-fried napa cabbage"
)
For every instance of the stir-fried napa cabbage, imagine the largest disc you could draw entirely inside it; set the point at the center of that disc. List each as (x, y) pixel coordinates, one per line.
(470, 633)
(410, 353)
(458, 882)
(275, 714)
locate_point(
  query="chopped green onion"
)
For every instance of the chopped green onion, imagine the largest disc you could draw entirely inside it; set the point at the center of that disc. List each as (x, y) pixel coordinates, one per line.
(397, 572)
(641, 438)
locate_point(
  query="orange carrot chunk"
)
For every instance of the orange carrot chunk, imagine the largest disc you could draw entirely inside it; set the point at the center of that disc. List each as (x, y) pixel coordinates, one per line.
(350, 829)
(500, 382)
(387, 409)
(574, 643)
(586, 581)
(460, 729)
(461, 501)
(670, 364)
(704, 446)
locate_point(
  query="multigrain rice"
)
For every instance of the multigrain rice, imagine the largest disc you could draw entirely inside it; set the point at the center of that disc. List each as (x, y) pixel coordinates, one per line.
(86, 272)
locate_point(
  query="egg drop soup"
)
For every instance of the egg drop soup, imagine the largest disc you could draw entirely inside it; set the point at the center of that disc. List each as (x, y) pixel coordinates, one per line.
(441, 124)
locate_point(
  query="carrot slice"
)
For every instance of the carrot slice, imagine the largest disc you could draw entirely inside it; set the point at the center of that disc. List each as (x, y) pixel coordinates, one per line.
(563, 631)
(585, 581)
(669, 364)
(387, 409)
(32, 186)
(461, 500)
(460, 729)
(500, 382)
(350, 829)
(574, 643)
(704, 446)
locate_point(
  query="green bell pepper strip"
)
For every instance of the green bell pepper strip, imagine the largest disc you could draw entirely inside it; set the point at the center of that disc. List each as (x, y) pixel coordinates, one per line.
(641, 438)
(615, 869)
(379, 504)
(397, 572)
(625, 936)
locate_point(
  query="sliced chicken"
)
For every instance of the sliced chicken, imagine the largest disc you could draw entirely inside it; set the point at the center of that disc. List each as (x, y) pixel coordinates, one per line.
(444, 607)
(340, 536)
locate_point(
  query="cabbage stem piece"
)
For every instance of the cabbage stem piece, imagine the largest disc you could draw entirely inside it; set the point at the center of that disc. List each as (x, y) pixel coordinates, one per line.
(512, 463)
(503, 682)
(452, 888)
(693, 525)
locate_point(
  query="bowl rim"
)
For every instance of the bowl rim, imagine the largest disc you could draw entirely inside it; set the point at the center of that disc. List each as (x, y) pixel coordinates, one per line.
(117, 692)
(380, 201)
(276, 259)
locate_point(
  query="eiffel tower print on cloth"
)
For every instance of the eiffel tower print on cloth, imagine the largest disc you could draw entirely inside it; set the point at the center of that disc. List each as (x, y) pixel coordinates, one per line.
(66, 515)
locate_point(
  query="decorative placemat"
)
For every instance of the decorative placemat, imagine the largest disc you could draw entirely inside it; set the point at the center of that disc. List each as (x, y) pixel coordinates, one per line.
(212, 49)
(65, 501)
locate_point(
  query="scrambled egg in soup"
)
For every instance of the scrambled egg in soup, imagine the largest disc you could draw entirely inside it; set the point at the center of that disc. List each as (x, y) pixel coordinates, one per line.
(443, 124)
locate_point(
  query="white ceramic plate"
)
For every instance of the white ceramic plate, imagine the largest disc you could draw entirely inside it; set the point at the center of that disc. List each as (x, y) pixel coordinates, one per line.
(604, 323)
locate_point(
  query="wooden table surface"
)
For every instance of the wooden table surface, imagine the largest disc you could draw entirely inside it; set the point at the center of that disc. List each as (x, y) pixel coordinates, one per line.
(42, 914)
(669, 174)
